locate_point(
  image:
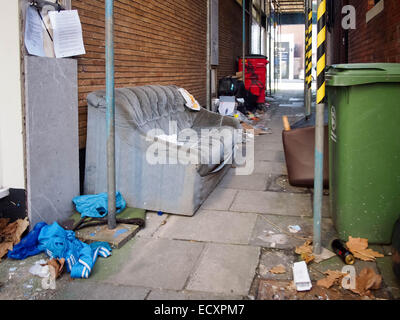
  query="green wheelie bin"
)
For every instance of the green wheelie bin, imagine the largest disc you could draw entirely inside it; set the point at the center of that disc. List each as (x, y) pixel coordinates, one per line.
(364, 149)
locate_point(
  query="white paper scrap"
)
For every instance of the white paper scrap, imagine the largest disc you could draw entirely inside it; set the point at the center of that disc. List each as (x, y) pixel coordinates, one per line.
(301, 277)
(67, 33)
(34, 32)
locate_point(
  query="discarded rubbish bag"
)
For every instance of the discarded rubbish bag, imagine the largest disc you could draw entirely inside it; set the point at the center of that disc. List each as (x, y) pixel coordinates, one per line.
(96, 206)
(80, 257)
(59, 243)
(28, 246)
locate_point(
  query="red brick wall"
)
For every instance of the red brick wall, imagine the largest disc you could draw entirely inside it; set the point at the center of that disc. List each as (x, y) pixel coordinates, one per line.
(230, 36)
(156, 42)
(379, 39)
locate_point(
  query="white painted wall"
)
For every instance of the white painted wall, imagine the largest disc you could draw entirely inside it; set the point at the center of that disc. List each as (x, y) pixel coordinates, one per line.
(12, 172)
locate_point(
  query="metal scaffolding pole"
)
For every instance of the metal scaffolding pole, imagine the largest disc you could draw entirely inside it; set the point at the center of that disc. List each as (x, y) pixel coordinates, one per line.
(244, 41)
(110, 113)
(208, 60)
(319, 130)
(270, 46)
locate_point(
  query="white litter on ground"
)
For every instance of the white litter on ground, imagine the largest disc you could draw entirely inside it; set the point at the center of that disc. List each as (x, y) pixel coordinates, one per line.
(294, 229)
(38, 270)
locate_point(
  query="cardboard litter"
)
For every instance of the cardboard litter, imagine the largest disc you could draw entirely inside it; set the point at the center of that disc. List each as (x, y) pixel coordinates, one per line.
(10, 234)
(257, 132)
(333, 277)
(278, 269)
(57, 265)
(359, 248)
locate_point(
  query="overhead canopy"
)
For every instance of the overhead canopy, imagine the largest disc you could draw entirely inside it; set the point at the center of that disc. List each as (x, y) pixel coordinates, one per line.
(289, 6)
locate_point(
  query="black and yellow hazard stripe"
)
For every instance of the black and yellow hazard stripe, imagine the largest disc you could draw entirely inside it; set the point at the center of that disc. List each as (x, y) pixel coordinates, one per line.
(309, 49)
(321, 54)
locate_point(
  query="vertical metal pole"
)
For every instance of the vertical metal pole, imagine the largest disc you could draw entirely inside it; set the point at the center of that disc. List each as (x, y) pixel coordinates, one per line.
(270, 48)
(319, 130)
(244, 41)
(276, 58)
(208, 85)
(110, 116)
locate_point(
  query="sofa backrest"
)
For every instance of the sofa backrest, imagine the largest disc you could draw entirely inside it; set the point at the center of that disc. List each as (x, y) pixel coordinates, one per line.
(147, 107)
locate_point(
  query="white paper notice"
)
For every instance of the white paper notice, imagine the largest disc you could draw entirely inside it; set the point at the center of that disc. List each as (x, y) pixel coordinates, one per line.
(34, 33)
(67, 33)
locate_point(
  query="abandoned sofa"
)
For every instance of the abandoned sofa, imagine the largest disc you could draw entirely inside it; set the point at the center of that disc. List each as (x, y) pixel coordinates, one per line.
(153, 125)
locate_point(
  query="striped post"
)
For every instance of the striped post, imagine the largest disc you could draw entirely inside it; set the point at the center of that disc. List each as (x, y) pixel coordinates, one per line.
(306, 3)
(319, 127)
(309, 64)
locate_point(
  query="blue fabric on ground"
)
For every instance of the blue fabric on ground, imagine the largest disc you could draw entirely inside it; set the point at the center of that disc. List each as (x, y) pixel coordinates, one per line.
(28, 246)
(96, 206)
(79, 256)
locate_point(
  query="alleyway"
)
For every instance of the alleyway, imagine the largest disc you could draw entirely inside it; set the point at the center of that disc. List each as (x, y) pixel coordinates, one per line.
(223, 252)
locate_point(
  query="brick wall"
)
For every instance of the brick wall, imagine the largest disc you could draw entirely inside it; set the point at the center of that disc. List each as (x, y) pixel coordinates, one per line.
(379, 39)
(156, 42)
(230, 36)
(375, 41)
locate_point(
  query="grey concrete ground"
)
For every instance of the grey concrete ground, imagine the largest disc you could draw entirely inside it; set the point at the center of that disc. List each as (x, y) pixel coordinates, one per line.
(238, 235)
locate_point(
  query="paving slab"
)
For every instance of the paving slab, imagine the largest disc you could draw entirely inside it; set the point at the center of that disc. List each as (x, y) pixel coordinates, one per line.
(210, 226)
(225, 269)
(282, 290)
(265, 154)
(247, 182)
(220, 199)
(317, 269)
(270, 167)
(385, 266)
(116, 237)
(279, 203)
(280, 183)
(272, 258)
(82, 290)
(188, 295)
(158, 263)
(153, 222)
(266, 142)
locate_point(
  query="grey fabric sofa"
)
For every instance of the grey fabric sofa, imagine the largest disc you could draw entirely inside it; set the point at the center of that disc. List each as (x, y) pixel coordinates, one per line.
(143, 114)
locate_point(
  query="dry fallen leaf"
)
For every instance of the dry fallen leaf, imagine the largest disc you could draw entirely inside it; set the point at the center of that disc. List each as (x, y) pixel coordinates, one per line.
(333, 277)
(367, 280)
(278, 269)
(306, 252)
(359, 248)
(57, 265)
(307, 258)
(305, 248)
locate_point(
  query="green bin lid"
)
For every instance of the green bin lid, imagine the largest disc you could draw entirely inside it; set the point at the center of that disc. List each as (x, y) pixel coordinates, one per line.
(344, 75)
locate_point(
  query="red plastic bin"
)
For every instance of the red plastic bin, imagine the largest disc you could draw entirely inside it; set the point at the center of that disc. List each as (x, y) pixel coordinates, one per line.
(256, 72)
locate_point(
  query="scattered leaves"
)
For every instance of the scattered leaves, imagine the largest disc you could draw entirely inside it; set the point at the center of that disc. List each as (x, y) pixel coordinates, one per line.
(278, 269)
(359, 248)
(257, 132)
(306, 251)
(367, 280)
(333, 277)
